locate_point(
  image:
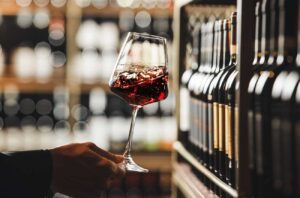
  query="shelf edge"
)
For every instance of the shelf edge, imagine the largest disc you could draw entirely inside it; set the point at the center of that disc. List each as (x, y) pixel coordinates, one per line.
(177, 146)
(184, 187)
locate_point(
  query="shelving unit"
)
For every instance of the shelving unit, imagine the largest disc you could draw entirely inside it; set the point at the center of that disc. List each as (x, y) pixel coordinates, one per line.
(73, 16)
(245, 34)
(184, 179)
(180, 150)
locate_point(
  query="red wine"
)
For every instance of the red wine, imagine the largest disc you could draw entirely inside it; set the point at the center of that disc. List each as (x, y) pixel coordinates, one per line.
(143, 86)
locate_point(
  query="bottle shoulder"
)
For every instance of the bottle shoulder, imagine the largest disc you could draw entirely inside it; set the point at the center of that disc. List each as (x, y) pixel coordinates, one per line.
(290, 86)
(186, 76)
(230, 83)
(225, 76)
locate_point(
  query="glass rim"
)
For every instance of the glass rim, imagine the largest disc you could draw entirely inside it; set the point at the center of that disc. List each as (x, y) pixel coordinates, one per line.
(147, 35)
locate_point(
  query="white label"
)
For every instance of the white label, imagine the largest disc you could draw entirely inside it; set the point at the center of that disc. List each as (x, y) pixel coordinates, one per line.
(184, 109)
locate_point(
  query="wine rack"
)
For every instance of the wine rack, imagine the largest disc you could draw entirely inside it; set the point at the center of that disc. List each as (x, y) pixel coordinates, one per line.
(204, 182)
(81, 100)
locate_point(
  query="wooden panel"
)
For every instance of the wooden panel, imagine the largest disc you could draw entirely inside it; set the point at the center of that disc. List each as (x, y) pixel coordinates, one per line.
(245, 42)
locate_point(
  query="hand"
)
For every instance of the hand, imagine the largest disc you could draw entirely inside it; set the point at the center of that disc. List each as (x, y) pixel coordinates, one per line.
(84, 170)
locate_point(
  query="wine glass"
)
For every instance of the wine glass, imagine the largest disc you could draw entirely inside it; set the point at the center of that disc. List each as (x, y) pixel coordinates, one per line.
(140, 77)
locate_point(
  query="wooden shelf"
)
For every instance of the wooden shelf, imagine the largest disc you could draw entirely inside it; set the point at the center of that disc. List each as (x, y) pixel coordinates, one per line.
(115, 11)
(31, 85)
(179, 148)
(188, 183)
(9, 7)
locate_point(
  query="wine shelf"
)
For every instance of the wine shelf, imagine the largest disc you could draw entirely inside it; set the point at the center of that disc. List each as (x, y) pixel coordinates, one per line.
(10, 8)
(115, 11)
(179, 148)
(188, 183)
(31, 85)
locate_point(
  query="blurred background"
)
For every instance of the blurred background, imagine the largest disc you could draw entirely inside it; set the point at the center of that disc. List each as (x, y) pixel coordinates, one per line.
(55, 61)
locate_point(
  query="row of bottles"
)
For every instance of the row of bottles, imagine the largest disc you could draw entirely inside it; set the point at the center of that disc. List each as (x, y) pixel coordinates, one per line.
(33, 42)
(32, 46)
(273, 113)
(208, 109)
(208, 126)
(98, 116)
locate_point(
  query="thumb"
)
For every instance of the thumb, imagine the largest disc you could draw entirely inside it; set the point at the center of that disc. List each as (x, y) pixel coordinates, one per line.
(106, 154)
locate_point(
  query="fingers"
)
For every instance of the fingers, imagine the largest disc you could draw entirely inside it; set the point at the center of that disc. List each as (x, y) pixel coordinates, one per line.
(106, 154)
(116, 169)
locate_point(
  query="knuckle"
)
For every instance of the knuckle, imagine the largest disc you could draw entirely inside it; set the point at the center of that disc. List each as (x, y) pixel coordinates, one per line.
(90, 144)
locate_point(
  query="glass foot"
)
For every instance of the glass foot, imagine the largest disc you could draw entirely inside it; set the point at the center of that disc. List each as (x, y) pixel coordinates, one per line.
(131, 166)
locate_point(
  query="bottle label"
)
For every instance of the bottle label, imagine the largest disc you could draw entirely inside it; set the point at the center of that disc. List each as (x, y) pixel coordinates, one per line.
(184, 109)
(216, 125)
(210, 127)
(276, 152)
(198, 123)
(221, 109)
(228, 131)
(204, 126)
(236, 135)
(191, 121)
(297, 150)
(287, 155)
(251, 138)
(259, 142)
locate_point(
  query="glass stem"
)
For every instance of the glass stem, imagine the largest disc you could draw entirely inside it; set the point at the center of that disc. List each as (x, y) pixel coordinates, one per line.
(126, 154)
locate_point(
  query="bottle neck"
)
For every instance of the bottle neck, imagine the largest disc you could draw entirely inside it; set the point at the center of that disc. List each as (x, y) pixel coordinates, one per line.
(210, 47)
(265, 40)
(287, 41)
(298, 51)
(220, 48)
(202, 47)
(196, 47)
(226, 47)
(215, 51)
(274, 32)
(257, 45)
(233, 45)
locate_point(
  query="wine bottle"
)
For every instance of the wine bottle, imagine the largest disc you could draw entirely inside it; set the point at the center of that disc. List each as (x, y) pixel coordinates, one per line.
(216, 67)
(212, 119)
(219, 104)
(185, 80)
(285, 110)
(231, 131)
(210, 66)
(262, 135)
(296, 136)
(251, 89)
(194, 117)
(263, 91)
